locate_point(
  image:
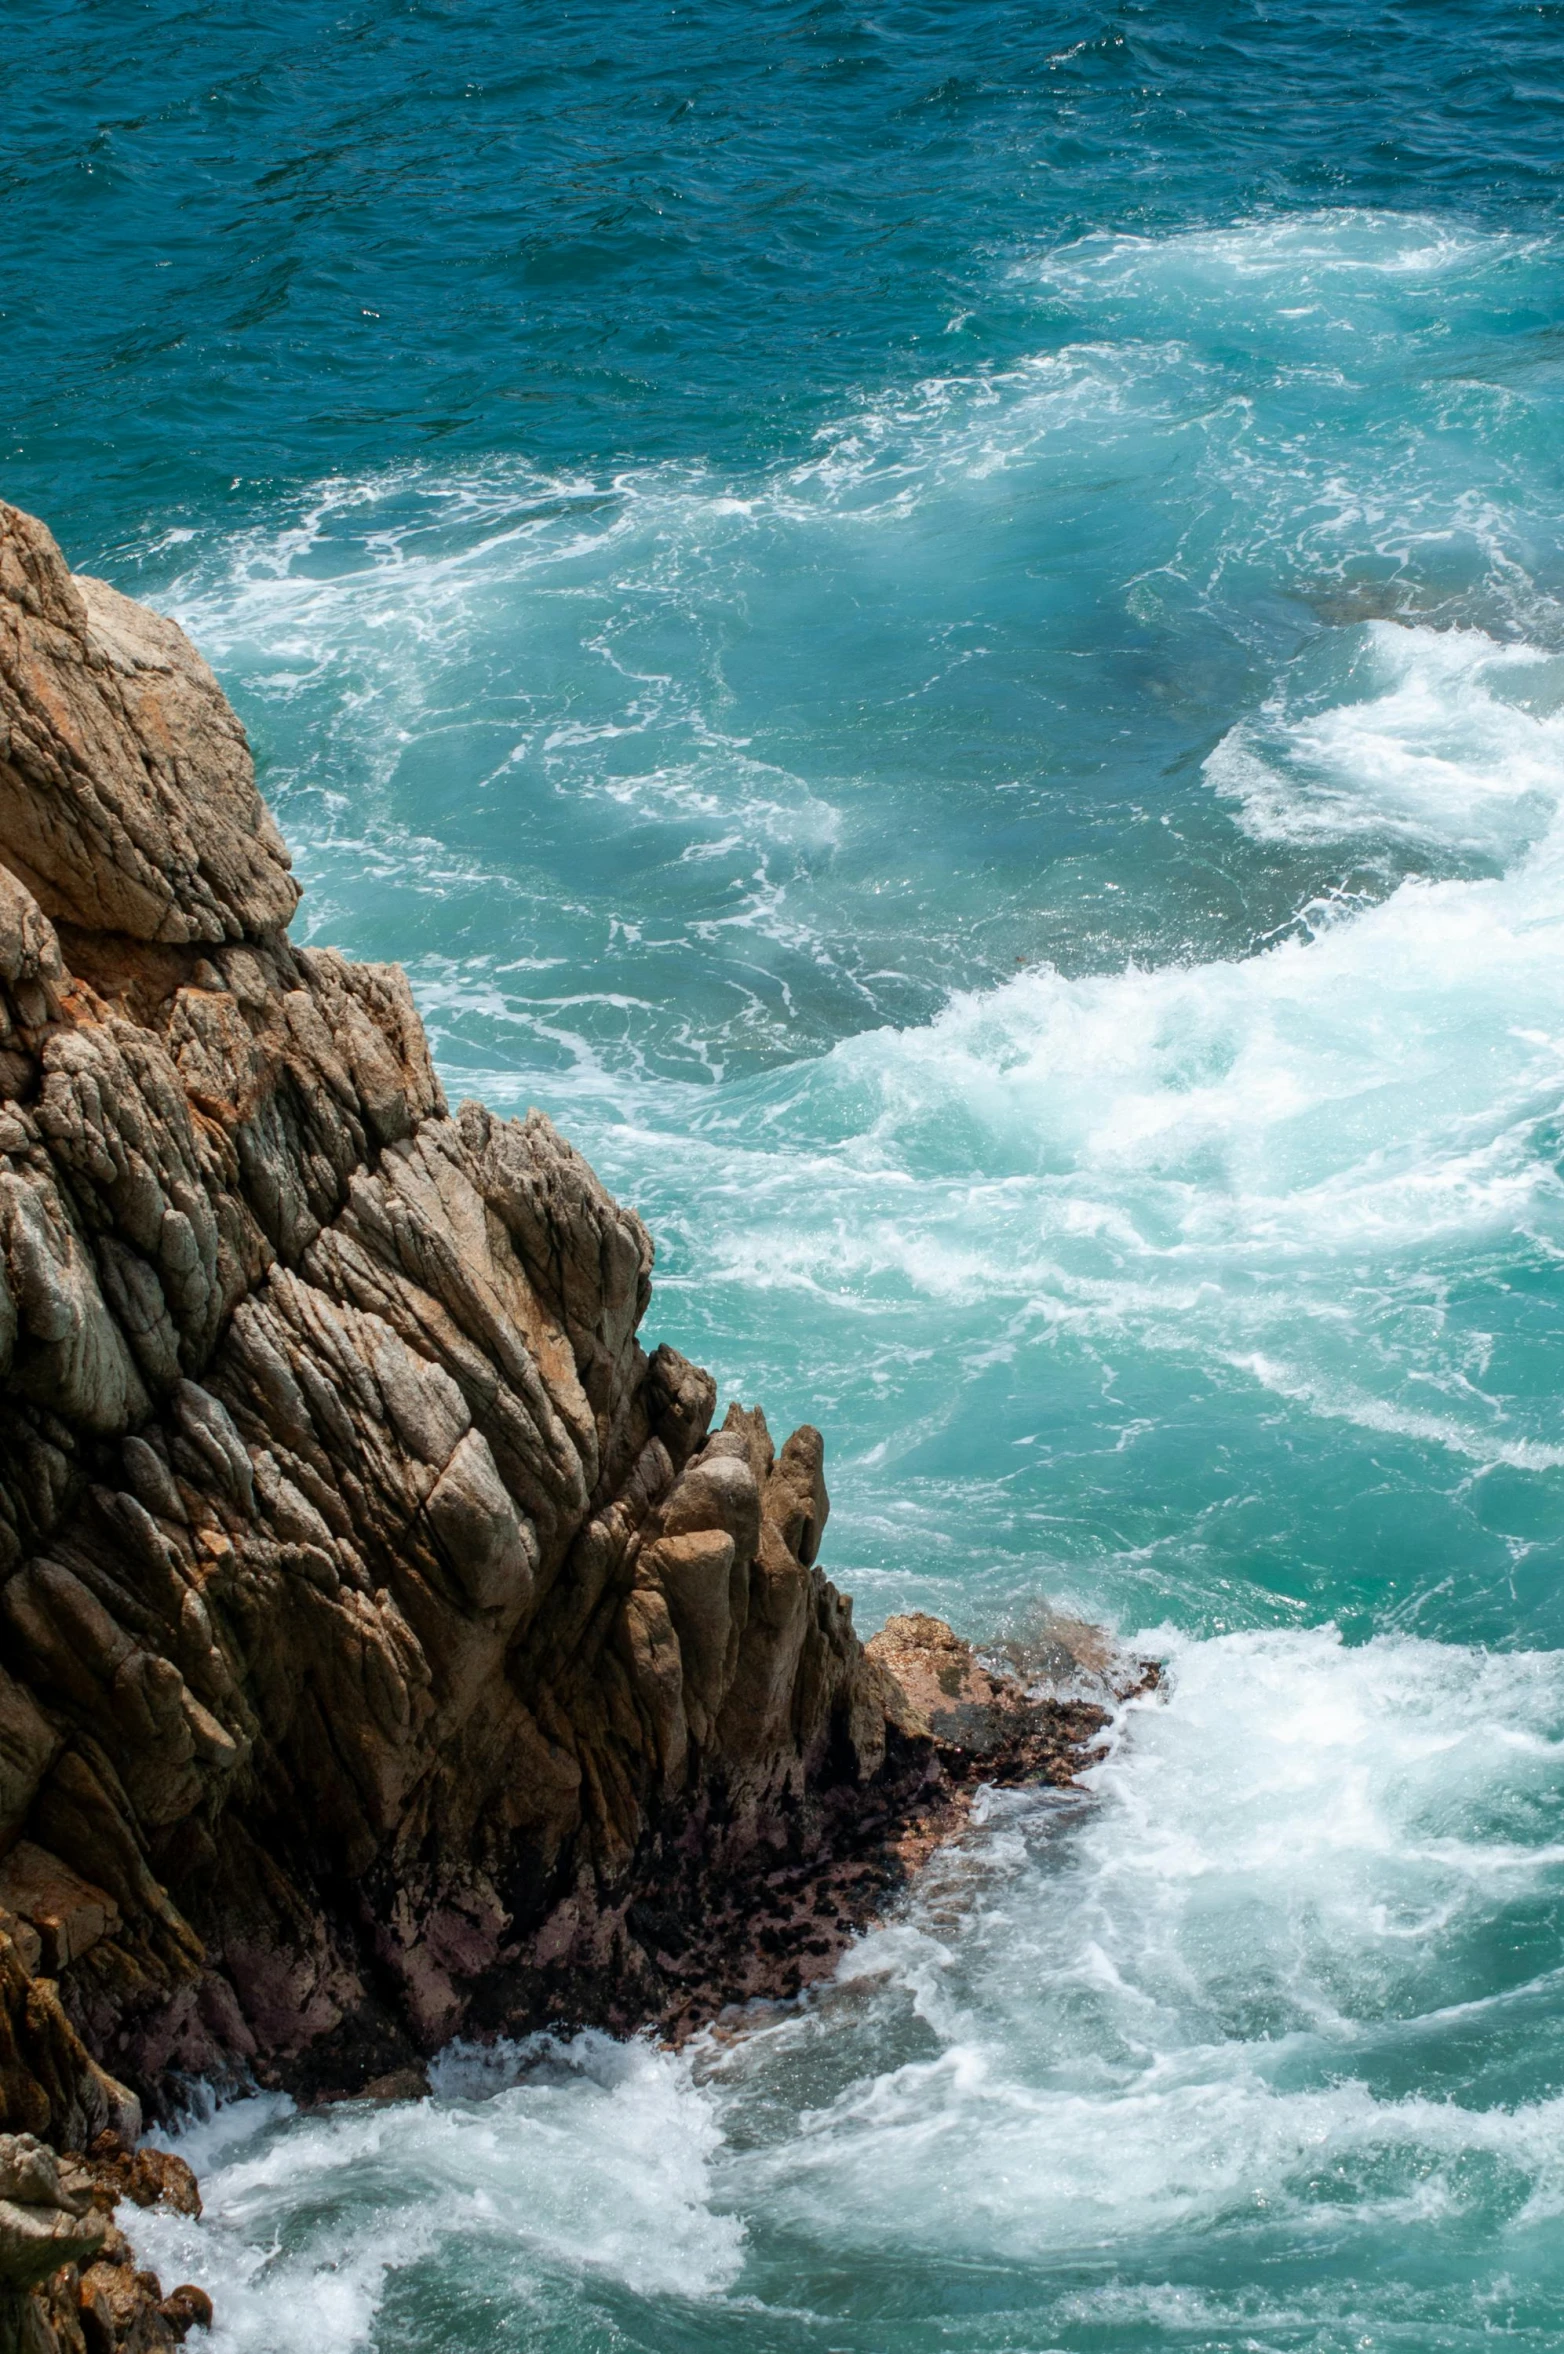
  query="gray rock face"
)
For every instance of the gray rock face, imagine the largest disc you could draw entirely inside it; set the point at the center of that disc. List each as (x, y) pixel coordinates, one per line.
(378, 1619)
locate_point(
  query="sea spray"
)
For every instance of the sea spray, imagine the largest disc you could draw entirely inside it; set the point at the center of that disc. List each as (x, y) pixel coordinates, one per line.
(530, 2168)
(1254, 2003)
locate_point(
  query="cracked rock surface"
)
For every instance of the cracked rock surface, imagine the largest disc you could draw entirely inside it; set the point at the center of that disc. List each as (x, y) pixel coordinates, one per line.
(379, 1621)
(389, 1648)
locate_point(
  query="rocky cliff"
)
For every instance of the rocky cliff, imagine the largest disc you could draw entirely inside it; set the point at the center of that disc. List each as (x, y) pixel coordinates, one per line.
(380, 1623)
(389, 1648)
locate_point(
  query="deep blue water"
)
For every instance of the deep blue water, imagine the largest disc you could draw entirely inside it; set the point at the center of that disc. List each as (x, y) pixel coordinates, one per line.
(943, 630)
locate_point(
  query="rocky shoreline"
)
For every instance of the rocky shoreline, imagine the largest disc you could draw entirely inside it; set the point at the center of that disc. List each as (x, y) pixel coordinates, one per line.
(389, 1648)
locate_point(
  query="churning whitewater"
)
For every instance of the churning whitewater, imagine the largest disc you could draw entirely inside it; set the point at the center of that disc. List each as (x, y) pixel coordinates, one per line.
(1209, 1294)
(944, 635)
(1246, 2008)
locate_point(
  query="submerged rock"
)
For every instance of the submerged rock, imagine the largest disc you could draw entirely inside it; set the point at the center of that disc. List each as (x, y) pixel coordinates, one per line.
(390, 1647)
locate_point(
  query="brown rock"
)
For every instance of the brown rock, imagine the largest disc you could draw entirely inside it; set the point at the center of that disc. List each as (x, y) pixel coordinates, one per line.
(127, 793)
(1030, 1717)
(186, 2308)
(67, 1913)
(29, 1745)
(41, 2225)
(400, 2084)
(941, 1689)
(391, 1649)
(147, 2177)
(68, 2279)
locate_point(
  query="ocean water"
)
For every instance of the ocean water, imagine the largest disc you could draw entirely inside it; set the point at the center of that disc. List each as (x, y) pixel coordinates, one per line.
(941, 628)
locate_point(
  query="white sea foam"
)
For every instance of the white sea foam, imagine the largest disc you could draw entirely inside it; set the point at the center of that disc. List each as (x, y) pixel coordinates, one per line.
(1191, 2016)
(1230, 1158)
(1185, 2004)
(1435, 736)
(1269, 1161)
(561, 648)
(532, 2165)
(1336, 248)
(1373, 1082)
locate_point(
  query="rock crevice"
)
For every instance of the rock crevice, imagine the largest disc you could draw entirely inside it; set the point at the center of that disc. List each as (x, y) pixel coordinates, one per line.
(377, 1616)
(389, 1647)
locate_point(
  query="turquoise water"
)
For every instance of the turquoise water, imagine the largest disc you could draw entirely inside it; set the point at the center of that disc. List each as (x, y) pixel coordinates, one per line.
(942, 629)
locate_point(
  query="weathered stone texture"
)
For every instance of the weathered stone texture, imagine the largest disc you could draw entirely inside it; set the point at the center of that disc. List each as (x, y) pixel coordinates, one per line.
(377, 1618)
(127, 797)
(68, 2279)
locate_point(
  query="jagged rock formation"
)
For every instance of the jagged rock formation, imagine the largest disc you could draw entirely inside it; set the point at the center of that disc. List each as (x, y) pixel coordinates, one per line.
(381, 1627)
(387, 1647)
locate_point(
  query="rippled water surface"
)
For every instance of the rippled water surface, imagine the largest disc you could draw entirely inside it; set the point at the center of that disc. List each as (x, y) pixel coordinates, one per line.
(942, 629)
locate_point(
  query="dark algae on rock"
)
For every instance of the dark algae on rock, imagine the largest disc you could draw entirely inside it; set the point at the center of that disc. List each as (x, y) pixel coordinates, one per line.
(390, 1648)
